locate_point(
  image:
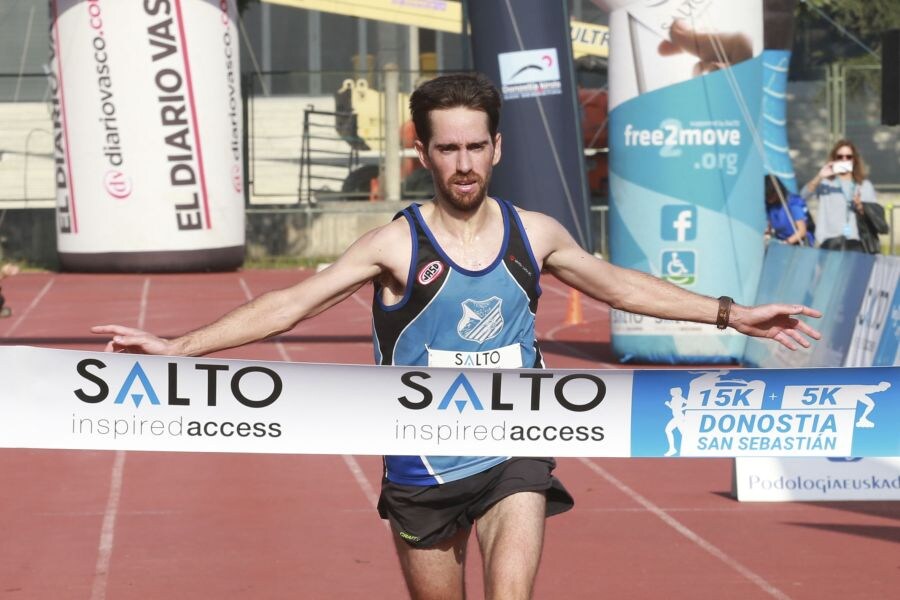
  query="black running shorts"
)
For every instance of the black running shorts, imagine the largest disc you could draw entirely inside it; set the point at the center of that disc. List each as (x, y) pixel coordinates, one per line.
(425, 515)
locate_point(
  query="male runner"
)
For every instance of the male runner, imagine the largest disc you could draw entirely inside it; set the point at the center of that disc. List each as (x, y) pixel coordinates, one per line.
(460, 274)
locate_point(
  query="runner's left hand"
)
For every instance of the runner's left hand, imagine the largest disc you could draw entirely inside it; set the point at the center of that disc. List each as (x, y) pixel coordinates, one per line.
(776, 322)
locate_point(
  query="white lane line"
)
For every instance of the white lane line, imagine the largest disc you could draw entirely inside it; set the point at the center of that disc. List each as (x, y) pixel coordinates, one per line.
(566, 292)
(550, 336)
(282, 352)
(592, 304)
(671, 510)
(685, 531)
(107, 531)
(357, 471)
(364, 484)
(31, 306)
(351, 462)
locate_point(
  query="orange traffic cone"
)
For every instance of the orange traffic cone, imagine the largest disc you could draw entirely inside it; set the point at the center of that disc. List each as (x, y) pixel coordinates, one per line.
(573, 313)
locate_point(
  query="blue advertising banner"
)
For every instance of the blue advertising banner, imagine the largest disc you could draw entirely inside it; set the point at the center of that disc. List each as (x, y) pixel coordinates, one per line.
(888, 352)
(749, 412)
(858, 294)
(525, 49)
(875, 337)
(832, 282)
(686, 164)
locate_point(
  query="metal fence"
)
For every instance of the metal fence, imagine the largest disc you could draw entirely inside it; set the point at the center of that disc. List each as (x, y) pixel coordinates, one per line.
(843, 102)
(26, 142)
(304, 149)
(854, 98)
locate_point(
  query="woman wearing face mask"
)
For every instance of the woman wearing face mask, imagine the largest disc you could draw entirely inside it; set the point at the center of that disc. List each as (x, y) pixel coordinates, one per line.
(841, 189)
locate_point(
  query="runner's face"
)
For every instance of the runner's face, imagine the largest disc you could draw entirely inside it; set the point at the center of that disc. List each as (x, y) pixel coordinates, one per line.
(460, 156)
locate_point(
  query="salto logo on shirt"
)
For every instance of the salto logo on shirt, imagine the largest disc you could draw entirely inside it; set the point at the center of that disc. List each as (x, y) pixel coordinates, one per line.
(678, 223)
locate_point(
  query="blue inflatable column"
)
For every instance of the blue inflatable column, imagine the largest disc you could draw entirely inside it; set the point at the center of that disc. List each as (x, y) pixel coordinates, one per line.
(779, 36)
(686, 164)
(525, 49)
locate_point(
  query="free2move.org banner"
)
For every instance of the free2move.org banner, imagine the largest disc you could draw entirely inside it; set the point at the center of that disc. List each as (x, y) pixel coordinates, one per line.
(686, 163)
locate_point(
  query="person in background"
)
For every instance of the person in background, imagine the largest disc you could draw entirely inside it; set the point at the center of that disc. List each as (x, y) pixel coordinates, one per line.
(7, 270)
(841, 188)
(787, 214)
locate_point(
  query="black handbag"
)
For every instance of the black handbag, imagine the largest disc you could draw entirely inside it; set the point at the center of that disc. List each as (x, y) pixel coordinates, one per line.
(871, 223)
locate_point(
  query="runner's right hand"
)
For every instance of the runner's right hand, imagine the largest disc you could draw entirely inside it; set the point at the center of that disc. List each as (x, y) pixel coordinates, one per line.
(133, 341)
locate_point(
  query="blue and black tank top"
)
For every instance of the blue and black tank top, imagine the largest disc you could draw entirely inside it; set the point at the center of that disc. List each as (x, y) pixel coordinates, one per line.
(450, 316)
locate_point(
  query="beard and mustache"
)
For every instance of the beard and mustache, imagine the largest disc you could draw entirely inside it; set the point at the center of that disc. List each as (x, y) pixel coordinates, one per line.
(463, 201)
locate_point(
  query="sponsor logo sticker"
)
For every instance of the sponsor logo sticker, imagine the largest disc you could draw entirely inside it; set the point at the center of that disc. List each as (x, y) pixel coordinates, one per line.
(430, 272)
(529, 73)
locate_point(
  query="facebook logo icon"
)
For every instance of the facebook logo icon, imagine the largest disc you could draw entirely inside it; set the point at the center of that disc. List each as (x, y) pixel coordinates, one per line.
(678, 223)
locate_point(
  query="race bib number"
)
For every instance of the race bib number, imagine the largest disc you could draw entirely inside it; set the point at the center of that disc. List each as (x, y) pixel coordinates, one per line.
(507, 357)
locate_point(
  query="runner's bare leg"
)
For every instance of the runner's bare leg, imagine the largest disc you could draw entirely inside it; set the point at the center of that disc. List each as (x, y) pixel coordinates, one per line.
(511, 536)
(436, 573)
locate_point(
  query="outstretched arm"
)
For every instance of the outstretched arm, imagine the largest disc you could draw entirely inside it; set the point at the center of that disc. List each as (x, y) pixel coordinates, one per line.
(636, 292)
(273, 312)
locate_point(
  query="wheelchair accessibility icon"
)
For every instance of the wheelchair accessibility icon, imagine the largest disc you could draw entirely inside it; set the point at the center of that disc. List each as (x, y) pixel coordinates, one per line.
(679, 266)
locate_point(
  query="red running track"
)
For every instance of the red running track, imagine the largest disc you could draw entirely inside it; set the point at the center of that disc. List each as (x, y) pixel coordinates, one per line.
(136, 525)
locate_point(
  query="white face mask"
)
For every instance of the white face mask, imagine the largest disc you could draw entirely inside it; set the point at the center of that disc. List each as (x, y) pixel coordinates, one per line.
(842, 166)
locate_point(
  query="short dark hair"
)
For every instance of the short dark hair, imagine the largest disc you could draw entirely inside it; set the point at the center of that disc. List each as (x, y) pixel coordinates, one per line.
(469, 90)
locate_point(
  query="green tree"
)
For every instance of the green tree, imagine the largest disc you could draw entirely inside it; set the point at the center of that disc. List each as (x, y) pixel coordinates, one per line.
(866, 19)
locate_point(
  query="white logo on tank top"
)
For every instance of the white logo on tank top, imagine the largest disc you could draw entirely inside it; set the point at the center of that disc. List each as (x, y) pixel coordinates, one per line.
(481, 319)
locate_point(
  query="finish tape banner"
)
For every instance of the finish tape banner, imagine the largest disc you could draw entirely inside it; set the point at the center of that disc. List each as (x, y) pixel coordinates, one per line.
(146, 110)
(134, 402)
